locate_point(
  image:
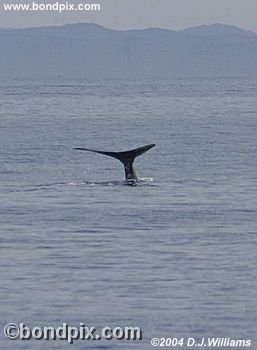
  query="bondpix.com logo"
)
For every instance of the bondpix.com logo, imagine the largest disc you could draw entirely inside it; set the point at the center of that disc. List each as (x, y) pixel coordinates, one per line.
(54, 6)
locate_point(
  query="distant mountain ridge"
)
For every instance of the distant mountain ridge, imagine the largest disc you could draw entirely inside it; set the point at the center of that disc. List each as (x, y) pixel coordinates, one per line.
(90, 51)
(217, 29)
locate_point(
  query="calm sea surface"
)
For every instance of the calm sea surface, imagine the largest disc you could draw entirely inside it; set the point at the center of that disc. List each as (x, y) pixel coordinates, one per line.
(175, 255)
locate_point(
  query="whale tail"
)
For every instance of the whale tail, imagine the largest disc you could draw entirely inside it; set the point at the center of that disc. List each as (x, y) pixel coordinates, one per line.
(126, 158)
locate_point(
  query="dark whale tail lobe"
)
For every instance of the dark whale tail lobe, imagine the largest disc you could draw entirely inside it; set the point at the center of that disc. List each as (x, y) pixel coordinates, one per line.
(126, 158)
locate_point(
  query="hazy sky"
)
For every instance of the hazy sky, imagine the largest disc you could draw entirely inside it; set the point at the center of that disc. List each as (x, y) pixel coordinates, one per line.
(124, 14)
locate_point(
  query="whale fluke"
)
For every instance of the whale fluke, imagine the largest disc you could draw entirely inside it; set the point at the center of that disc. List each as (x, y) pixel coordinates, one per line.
(126, 158)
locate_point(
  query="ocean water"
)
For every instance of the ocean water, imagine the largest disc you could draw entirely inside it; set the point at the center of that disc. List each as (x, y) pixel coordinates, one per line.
(175, 255)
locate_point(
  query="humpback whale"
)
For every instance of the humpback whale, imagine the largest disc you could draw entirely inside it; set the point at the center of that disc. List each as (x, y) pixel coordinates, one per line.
(126, 158)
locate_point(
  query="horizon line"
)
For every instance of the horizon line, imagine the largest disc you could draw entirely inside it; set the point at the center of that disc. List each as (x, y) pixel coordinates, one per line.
(128, 29)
